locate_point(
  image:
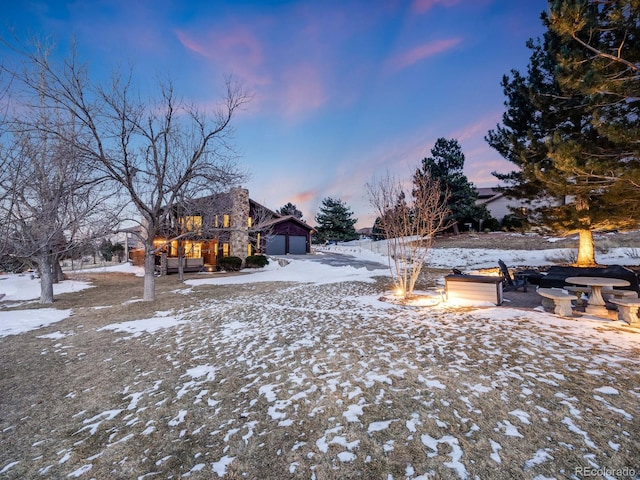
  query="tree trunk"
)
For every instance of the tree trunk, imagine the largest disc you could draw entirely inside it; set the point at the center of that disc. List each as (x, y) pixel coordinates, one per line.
(58, 275)
(46, 279)
(149, 294)
(586, 250)
(180, 261)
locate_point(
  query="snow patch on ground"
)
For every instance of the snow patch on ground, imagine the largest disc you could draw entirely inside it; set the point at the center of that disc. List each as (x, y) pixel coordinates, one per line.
(20, 321)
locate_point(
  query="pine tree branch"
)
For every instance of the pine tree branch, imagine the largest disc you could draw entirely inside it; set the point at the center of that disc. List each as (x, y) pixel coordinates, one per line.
(602, 54)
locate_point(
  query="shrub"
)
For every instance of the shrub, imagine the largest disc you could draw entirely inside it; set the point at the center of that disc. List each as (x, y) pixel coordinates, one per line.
(256, 261)
(230, 264)
(492, 224)
(514, 223)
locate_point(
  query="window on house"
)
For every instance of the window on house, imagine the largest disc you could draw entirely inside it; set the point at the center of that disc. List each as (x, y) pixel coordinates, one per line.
(191, 223)
(225, 249)
(159, 244)
(258, 243)
(192, 249)
(249, 222)
(216, 223)
(249, 250)
(225, 221)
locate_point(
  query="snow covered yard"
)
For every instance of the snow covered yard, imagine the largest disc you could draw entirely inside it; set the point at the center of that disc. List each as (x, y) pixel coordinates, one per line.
(257, 377)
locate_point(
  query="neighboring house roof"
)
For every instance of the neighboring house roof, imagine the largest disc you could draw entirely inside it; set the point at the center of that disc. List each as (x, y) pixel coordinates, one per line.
(488, 195)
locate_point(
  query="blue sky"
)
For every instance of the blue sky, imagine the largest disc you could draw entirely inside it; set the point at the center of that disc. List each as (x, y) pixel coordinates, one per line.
(344, 90)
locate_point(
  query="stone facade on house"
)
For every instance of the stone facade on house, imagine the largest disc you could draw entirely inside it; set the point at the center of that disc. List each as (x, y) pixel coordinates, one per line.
(239, 223)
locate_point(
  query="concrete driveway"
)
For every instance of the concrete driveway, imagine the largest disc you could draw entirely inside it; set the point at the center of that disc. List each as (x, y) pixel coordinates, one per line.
(338, 260)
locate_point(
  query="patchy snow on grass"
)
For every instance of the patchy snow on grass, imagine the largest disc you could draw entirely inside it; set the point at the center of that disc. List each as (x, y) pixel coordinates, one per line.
(147, 325)
(608, 390)
(294, 271)
(21, 287)
(323, 378)
(20, 321)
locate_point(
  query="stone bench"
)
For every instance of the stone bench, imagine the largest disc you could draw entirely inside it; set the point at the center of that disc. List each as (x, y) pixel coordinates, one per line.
(628, 310)
(561, 302)
(619, 293)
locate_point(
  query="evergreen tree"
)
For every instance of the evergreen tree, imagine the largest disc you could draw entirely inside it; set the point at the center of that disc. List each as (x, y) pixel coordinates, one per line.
(605, 67)
(106, 250)
(335, 222)
(557, 135)
(290, 209)
(609, 32)
(377, 232)
(446, 166)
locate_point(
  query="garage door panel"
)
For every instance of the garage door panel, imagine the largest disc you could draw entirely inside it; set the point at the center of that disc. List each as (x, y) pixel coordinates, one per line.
(297, 244)
(275, 245)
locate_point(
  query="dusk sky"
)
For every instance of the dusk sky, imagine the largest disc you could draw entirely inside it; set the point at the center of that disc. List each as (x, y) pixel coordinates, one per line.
(343, 90)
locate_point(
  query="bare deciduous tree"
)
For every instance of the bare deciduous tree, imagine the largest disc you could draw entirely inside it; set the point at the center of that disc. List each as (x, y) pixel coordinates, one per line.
(410, 219)
(50, 196)
(158, 150)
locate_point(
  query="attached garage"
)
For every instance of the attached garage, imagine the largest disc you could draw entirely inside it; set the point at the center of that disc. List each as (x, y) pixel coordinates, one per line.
(286, 235)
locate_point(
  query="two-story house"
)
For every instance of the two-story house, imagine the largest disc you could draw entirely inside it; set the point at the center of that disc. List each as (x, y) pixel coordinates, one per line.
(229, 224)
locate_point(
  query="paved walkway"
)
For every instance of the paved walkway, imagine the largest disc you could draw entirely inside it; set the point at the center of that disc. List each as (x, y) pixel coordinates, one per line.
(519, 299)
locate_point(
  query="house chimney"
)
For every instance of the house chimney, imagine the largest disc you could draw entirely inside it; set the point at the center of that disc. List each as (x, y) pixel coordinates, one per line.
(239, 230)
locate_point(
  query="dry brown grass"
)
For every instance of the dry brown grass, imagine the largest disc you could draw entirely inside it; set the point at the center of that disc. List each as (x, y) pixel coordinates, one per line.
(288, 363)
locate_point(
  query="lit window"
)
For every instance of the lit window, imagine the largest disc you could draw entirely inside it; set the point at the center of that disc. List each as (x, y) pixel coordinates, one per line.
(225, 249)
(249, 250)
(216, 224)
(225, 221)
(258, 244)
(192, 249)
(192, 223)
(249, 222)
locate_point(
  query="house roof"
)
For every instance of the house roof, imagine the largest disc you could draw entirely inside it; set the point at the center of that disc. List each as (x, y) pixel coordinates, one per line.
(488, 195)
(282, 219)
(259, 206)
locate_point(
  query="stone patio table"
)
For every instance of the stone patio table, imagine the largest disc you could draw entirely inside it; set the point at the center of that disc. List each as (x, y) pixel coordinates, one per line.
(596, 304)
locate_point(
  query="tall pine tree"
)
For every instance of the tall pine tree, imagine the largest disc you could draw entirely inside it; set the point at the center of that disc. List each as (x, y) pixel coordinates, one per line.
(555, 134)
(290, 209)
(610, 79)
(335, 222)
(446, 166)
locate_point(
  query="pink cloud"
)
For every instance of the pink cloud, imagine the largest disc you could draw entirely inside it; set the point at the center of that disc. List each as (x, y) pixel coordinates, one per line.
(236, 51)
(190, 44)
(302, 90)
(422, 6)
(479, 128)
(304, 197)
(293, 89)
(421, 52)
